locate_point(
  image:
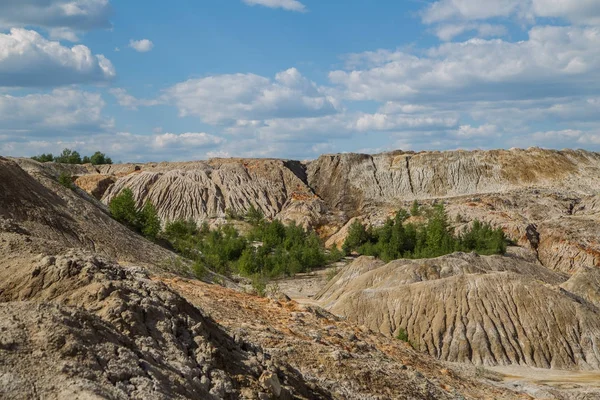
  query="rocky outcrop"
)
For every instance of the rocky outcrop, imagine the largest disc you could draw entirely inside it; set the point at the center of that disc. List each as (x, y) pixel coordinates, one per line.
(95, 185)
(482, 310)
(206, 190)
(353, 181)
(57, 218)
(77, 326)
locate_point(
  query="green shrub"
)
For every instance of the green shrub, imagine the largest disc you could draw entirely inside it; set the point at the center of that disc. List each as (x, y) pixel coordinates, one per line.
(145, 221)
(199, 269)
(66, 180)
(402, 335)
(335, 255)
(414, 209)
(254, 216)
(357, 236)
(259, 284)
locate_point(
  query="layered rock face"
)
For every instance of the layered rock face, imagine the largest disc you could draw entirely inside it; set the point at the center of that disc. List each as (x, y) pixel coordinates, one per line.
(484, 310)
(354, 181)
(204, 190)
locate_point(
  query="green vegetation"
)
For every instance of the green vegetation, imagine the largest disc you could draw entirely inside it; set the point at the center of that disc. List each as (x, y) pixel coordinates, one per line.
(145, 221)
(414, 209)
(43, 158)
(402, 335)
(66, 180)
(270, 249)
(398, 239)
(69, 156)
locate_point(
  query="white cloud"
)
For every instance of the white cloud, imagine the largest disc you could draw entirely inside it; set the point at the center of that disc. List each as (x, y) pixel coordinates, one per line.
(141, 46)
(384, 122)
(66, 111)
(122, 146)
(63, 34)
(447, 32)
(128, 101)
(575, 11)
(225, 99)
(186, 140)
(74, 15)
(555, 61)
(290, 5)
(27, 59)
(468, 131)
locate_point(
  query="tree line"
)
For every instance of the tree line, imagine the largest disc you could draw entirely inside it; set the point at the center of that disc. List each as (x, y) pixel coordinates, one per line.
(270, 248)
(69, 156)
(399, 239)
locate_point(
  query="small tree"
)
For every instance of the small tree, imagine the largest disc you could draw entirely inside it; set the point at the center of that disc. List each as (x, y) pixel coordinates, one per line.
(122, 208)
(99, 158)
(150, 223)
(414, 209)
(66, 180)
(357, 236)
(68, 156)
(254, 216)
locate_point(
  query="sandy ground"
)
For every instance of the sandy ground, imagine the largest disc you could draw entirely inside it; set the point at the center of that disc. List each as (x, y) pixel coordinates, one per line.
(303, 287)
(554, 378)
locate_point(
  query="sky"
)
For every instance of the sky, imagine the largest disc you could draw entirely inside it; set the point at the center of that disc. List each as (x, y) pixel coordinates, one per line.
(193, 79)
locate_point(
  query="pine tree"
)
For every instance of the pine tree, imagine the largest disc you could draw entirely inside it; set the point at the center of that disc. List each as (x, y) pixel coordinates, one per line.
(122, 207)
(150, 223)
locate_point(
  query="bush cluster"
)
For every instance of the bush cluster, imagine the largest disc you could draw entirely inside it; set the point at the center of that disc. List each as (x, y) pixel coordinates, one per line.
(270, 249)
(69, 156)
(145, 221)
(434, 238)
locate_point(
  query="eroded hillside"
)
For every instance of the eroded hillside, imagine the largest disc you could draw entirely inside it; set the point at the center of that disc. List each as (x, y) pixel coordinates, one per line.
(486, 310)
(77, 324)
(537, 306)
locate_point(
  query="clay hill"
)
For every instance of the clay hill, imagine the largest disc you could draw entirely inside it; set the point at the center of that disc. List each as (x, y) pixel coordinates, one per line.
(89, 309)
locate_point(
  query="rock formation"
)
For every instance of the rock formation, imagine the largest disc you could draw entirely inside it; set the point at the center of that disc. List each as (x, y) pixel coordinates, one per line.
(493, 310)
(74, 323)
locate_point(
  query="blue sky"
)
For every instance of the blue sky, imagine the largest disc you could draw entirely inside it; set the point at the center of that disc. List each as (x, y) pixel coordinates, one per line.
(147, 81)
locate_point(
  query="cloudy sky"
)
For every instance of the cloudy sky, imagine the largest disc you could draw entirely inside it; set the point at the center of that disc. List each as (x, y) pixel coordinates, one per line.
(185, 79)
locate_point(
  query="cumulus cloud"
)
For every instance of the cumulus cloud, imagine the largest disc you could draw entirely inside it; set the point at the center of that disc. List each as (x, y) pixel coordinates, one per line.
(28, 59)
(384, 122)
(141, 46)
(185, 140)
(225, 99)
(131, 102)
(575, 11)
(554, 61)
(65, 110)
(468, 131)
(290, 5)
(447, 32)
(63, 18)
